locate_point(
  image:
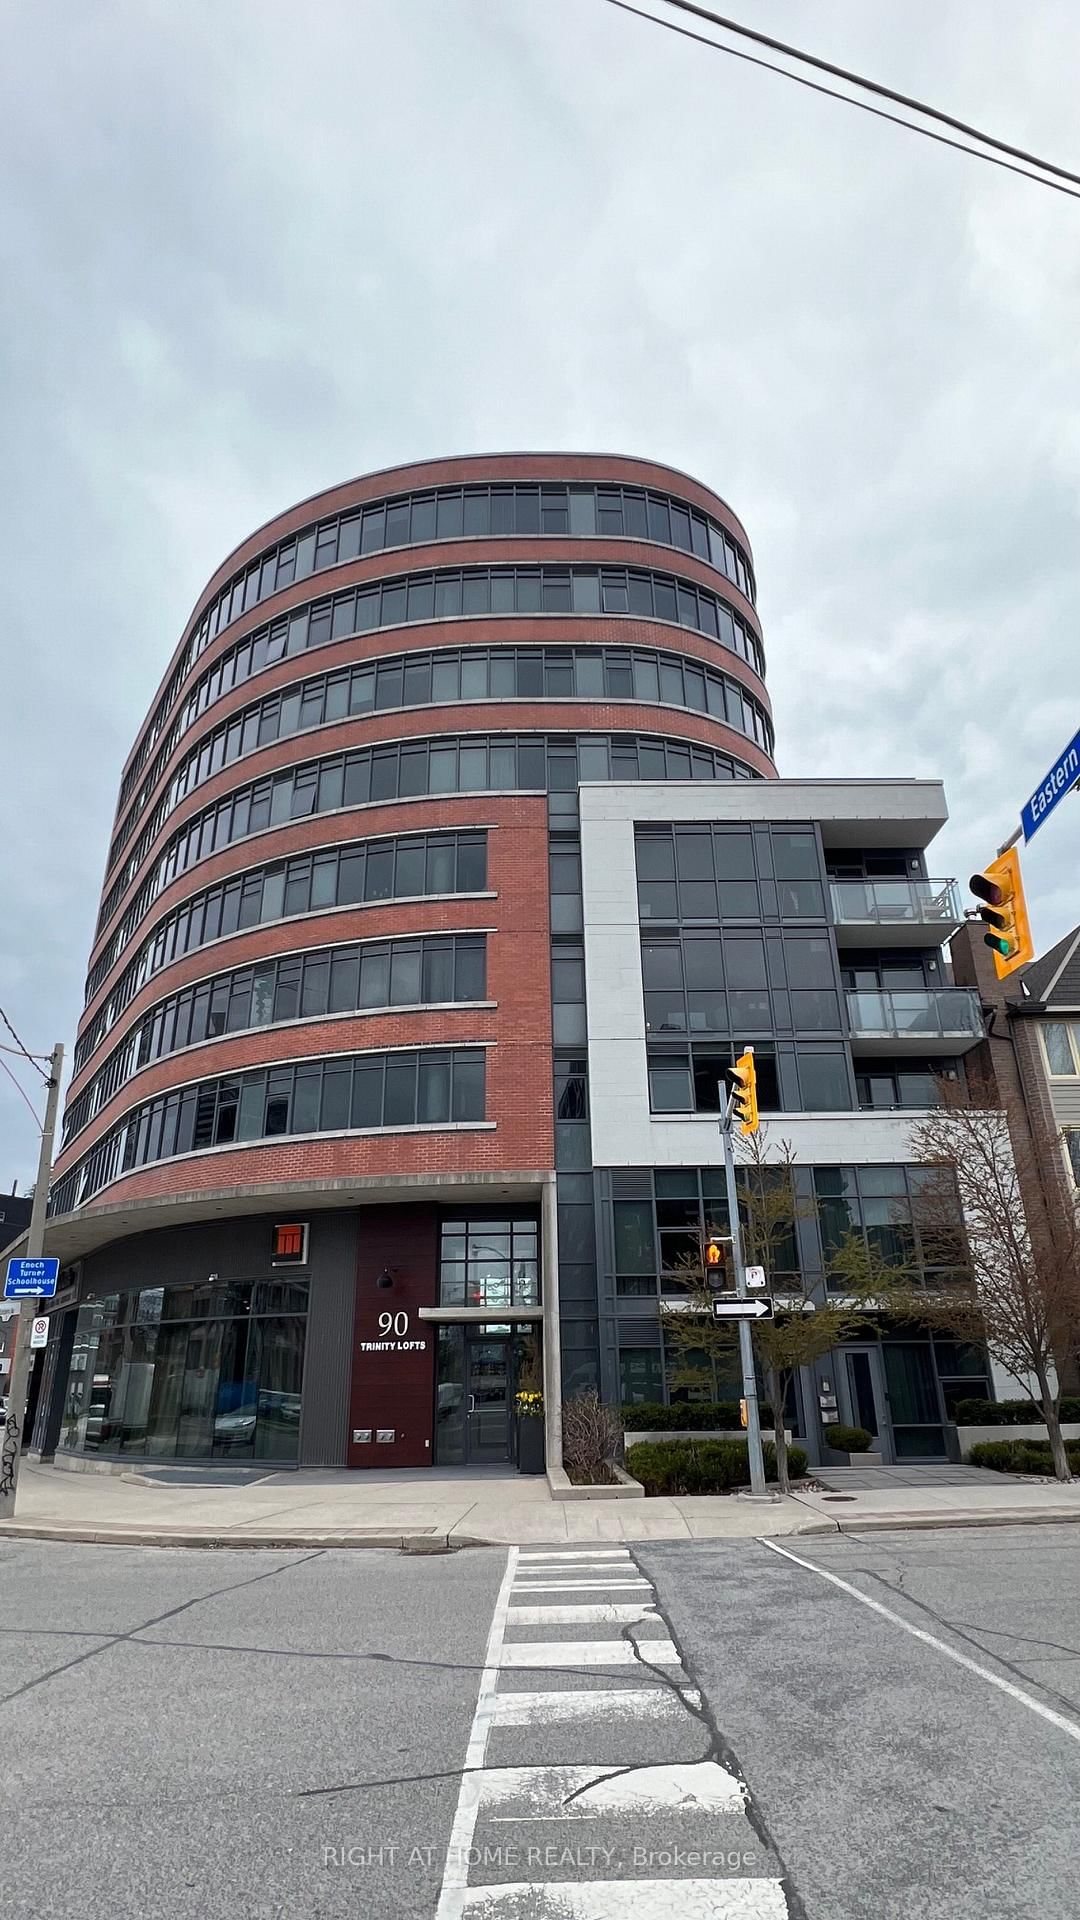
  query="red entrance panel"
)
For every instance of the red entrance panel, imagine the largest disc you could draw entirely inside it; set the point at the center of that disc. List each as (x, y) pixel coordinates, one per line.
(391, 1405)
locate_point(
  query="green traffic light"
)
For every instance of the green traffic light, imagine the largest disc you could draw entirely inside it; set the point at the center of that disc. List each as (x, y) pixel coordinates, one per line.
(997, 945)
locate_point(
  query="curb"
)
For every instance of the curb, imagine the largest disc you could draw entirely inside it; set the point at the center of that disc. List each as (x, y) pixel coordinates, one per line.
(885, 1523)
(186, 1537)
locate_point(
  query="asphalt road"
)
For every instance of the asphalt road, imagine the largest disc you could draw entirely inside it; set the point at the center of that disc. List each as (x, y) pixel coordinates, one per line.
(705, 1729)
(181, 1732)
(897, 1784)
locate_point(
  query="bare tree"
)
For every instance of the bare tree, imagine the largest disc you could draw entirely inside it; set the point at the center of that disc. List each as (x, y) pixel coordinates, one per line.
(1024, 1303)
(812, 1318)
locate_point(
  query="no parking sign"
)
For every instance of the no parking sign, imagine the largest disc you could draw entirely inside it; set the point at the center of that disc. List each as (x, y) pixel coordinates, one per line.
(39, 1330)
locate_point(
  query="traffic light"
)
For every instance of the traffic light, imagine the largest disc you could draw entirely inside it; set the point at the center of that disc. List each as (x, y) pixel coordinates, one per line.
(744, 1088)
(1004, 914)
(713, 1259)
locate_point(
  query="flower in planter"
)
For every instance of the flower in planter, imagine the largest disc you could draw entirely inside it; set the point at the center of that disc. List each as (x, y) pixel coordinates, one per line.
(529, 1405)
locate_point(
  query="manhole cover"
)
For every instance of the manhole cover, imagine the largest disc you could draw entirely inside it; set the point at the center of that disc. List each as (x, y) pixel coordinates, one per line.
(838, 1496)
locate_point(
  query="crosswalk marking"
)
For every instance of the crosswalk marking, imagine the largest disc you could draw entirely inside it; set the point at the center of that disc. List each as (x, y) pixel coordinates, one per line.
(579, 1553)
(588, 1653)
(742, 1899)
(657, 1804)
(603, 1584)
(606, 1703)
(584, 1613)
(579, 1793)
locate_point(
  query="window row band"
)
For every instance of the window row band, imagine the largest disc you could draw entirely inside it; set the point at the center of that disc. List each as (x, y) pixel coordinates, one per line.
(441, 678)
(450, 513)
(354, 1093)
(360, 977)
(358, 872)
(454, 595)
(406, 769)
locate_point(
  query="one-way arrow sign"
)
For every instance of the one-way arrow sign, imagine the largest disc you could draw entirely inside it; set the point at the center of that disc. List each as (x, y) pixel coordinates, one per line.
(759, 1309)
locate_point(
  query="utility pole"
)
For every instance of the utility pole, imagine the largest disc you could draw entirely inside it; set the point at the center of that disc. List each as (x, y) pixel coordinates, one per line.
(14, 1438)
(730, 1110)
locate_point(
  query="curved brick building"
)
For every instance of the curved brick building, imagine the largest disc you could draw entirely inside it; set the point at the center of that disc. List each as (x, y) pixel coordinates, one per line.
(335, 1000)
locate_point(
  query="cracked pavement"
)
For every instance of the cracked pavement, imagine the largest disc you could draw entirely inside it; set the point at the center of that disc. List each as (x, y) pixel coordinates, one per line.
(285, 1733)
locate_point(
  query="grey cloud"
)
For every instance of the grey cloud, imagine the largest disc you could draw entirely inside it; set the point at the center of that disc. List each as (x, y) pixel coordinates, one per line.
(246, 252)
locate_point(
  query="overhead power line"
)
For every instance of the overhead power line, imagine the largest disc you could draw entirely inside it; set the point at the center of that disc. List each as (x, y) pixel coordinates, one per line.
(872, 86)
(21, 1090)
(34, 1058)
(831, 93)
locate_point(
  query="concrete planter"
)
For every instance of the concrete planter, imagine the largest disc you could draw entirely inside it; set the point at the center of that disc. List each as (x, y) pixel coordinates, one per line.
(635, 1439)
(968, 1437)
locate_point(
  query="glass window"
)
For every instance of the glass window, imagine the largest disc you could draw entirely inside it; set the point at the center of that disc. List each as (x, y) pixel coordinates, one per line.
(824, 1081)
(1059, 1054)
(468, 1086)
(635, 1245)
(670, 1089)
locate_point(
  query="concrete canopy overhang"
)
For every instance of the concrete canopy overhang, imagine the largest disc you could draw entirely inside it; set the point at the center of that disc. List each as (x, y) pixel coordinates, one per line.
(71, 1236)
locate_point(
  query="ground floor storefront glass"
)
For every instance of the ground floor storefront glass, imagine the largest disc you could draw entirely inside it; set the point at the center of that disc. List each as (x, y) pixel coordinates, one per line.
(204, 1372)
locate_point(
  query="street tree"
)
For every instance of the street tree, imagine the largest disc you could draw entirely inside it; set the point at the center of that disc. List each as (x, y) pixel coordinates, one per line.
(814, 1314)
(1022, 1294)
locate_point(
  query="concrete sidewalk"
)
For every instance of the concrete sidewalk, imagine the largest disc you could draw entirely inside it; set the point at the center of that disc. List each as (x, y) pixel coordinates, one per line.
(431, 1508)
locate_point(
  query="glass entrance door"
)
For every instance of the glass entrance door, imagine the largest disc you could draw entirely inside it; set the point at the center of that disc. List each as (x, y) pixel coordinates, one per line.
(487, 1386)
(865, 1394)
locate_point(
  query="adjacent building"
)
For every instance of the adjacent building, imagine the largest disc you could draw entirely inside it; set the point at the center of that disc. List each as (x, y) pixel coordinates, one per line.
(449, 865)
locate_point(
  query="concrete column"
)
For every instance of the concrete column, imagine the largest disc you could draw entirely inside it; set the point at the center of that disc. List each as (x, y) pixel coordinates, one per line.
(552, 1346)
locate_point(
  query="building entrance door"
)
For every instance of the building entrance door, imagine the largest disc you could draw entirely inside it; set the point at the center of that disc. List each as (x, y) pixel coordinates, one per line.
(867, 1406)
(487, 1386)
(474, 1395)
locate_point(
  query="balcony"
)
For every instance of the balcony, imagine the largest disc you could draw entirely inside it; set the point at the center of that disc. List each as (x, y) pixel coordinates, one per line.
(899, 913)
(928, 1020)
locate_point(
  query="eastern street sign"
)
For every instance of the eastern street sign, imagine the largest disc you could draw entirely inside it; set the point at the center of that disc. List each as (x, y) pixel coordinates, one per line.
(1061, 779)
(27, 1278)
(759, 1309)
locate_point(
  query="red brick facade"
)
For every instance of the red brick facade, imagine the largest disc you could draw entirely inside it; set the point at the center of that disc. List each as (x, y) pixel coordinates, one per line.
(514, 1024)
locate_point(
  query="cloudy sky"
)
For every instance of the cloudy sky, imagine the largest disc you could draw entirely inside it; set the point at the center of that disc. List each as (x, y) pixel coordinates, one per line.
(247, 250)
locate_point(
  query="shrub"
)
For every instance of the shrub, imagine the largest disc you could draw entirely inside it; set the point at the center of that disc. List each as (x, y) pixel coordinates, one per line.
(698, 1416)
(1021, 1456)
(848, 1439)
(701, 1466)
(592, 1439)
(1010, 1413)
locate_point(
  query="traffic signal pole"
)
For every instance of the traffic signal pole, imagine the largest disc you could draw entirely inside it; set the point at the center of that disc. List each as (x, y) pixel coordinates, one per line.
(13, 1437)
(746, 1345)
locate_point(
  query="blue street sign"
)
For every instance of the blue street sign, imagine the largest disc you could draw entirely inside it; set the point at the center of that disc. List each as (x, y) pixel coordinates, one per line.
(1061, 779)
(26, 1279)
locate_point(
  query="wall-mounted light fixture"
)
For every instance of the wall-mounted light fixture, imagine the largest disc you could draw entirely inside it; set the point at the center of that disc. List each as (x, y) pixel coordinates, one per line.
(385, 1279)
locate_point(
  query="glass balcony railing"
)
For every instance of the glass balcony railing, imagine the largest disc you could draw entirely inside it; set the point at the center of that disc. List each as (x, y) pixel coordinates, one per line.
(930, 1013)
(897, 903)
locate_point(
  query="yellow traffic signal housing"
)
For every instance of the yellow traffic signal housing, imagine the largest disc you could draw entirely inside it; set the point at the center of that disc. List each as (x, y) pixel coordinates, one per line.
(744, 1083)
(1004, 913)
(714, 1259)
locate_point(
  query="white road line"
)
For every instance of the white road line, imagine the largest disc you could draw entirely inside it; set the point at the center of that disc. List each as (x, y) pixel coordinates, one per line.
(456, 1871)
(595, 1703)
(600, 1585)
(612, 1613)
(587, 1653)
(568, 1556)
(1057, 1720)
(629, 1900)
(543, 1793)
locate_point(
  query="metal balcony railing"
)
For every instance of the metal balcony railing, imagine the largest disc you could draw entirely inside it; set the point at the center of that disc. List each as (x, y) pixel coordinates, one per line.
(940, 1013)
(892, 903)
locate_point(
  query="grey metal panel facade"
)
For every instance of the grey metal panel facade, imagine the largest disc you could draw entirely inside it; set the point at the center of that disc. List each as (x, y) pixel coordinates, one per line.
(1065, 1100)
(324, 1417)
